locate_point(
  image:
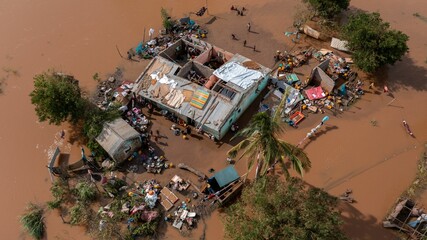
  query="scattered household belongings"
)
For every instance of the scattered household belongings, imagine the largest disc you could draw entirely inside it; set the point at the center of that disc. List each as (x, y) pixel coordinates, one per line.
(183, 217)
(179, 184)
(155, 164)
(315, 93)
(296, 118)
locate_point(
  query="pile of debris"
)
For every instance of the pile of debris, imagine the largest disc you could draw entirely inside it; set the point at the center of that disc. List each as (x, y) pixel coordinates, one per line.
(183, 217)
(183, 27)
(136, 119)
(408, 218)
(331, 85)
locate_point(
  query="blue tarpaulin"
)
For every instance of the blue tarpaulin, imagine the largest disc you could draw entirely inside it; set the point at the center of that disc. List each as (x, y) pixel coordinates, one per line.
(139, 49)
(343, 90)
(226, 176)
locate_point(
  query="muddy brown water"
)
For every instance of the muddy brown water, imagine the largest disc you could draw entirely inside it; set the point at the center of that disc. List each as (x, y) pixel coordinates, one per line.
(80, 38)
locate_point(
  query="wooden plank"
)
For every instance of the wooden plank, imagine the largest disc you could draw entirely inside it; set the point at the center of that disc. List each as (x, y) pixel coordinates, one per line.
(169, 195)
(165, 202)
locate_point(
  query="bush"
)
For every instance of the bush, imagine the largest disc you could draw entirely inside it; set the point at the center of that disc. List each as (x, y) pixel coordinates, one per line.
(32, 221)
(80, 214)
(166, 19)
(85, 192)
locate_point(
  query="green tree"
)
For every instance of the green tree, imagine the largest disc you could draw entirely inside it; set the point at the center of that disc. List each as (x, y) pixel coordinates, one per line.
(167, 21)
(261, 144)
(33, 221)
(328, 8)
(94, 119)
(57, 97)
(372, 41)
(272, 209)
(93, 123)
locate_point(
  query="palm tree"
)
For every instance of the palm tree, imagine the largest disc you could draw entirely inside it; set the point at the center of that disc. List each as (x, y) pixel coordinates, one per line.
(262, 145)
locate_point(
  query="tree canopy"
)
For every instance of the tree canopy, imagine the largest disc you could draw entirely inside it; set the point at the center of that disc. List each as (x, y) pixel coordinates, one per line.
(372, 41)
(57, 98)
(262, 145)
(273, 209)
(328, 8)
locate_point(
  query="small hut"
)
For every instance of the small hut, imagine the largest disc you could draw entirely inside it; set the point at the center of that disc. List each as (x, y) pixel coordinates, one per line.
(119, 140)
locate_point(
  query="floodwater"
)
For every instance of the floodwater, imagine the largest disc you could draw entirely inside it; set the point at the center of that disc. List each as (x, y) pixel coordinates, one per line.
(80, 38)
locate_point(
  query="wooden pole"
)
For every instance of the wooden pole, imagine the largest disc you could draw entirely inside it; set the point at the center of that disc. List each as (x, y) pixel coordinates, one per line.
(388, 104)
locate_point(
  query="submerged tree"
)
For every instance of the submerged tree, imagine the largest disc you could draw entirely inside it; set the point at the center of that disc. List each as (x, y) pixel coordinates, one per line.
(167, 21)
(33, 221)
(328, 8)
(57, 98)
(372, 41)
(272, 209)
(262, 146)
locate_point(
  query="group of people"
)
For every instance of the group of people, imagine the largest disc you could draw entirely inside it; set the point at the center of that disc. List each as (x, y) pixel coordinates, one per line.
(177, 131)
(239, 12)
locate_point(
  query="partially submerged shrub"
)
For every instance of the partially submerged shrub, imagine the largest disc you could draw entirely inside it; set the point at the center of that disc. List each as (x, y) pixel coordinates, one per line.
(80, 214)
(85, 192)
(59, 192)
(33, 221)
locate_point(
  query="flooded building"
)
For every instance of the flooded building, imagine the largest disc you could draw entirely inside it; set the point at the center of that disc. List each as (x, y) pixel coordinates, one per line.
(119, 140)
(202, 84)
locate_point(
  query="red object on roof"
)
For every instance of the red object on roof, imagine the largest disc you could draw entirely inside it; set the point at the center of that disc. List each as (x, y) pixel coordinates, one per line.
(315, 93)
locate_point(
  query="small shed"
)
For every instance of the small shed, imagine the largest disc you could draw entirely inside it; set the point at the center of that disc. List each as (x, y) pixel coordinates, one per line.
(224, 177)
(226, 183)
(119, 140)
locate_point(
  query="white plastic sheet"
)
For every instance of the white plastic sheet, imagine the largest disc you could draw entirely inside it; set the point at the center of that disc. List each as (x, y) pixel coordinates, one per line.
(237, 74)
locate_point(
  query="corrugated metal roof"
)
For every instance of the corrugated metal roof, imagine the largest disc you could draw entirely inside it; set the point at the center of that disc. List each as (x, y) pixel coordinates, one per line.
(222, 109)
(339, 44)
(216, 109)
(226, 176)
(114, 134)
